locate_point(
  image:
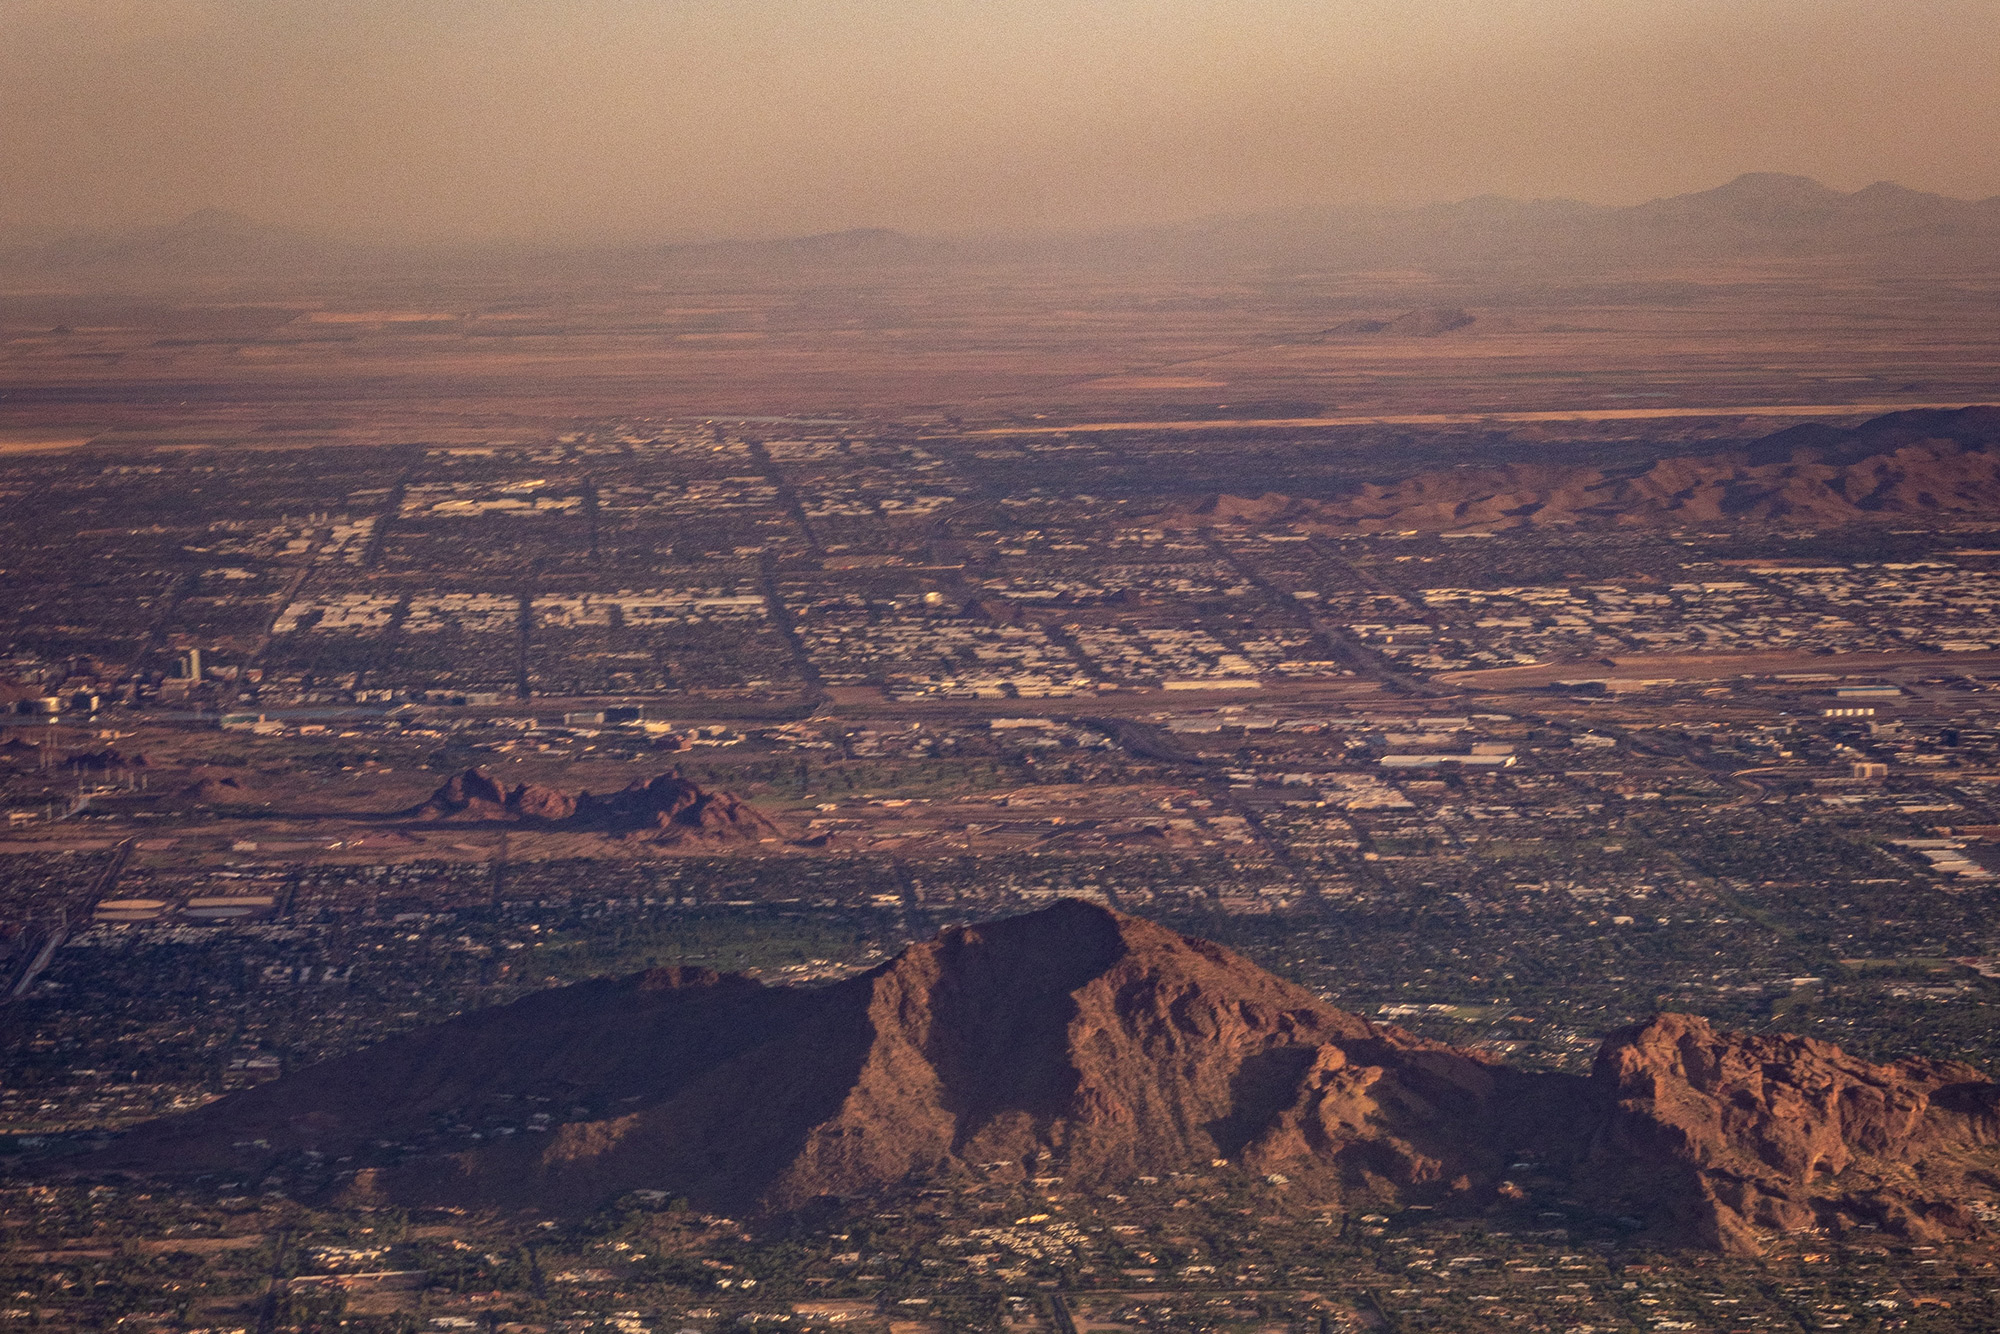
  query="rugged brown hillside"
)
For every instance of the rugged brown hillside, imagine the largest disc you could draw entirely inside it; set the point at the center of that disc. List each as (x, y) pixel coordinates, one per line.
(667, 808)
(1079, 1041)
(1721, 1136)
(1928, 463)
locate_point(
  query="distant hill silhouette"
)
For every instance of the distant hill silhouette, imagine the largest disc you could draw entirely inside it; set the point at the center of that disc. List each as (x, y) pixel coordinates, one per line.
(205, 243)
(1757, 214)
(1079, 1041)
(1760, 214)
(861, 245)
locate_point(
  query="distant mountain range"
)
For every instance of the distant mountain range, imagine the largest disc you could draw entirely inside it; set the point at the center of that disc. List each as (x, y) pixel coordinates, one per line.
(1759, 214)
(1082, 1043)
(203, 244)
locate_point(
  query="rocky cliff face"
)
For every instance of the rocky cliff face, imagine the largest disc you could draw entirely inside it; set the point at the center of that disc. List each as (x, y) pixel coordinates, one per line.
(1734, 1134)
(1079, 1041)
(668, 808)
(1110, 1047)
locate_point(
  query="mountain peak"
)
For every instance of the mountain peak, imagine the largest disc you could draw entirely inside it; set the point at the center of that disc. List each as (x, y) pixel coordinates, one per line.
(1775, 185)
(1081, 1041)
(1891, 190)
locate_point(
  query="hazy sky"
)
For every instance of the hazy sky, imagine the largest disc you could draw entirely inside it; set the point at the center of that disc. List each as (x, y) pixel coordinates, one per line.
(713, 117)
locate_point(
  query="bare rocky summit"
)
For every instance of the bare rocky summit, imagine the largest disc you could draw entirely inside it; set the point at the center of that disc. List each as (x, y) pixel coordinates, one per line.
(1079, 1041)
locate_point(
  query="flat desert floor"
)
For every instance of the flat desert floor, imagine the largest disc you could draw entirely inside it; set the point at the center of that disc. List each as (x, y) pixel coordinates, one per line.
(384, 360)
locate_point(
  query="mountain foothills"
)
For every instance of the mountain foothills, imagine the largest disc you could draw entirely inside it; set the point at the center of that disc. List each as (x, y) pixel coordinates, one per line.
(1082, 1042)
(1926, 463)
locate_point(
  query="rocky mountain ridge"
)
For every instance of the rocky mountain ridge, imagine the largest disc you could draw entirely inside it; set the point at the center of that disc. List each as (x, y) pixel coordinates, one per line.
(667, 808)
(1923, 463)
(1079, 1041)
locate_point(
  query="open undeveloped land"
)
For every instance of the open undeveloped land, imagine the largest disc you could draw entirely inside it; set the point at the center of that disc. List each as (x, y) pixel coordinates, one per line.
(452, 358)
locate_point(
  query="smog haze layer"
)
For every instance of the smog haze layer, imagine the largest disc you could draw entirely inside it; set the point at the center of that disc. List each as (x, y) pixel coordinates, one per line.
(620, 119)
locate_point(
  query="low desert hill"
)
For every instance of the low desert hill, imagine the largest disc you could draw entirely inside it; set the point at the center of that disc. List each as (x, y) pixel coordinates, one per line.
(1924, 464)
(1079, 1041)
(668, 808)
